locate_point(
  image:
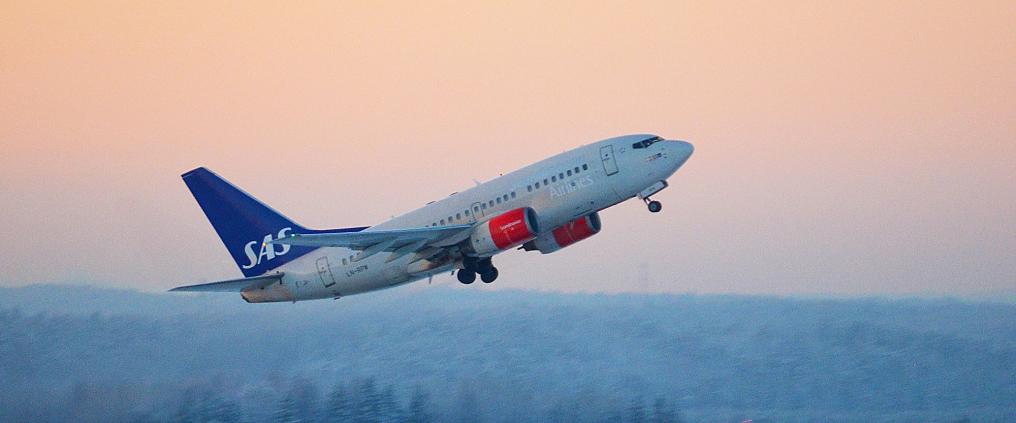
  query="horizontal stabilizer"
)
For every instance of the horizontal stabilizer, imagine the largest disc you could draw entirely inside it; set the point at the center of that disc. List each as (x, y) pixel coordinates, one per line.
(232, 285)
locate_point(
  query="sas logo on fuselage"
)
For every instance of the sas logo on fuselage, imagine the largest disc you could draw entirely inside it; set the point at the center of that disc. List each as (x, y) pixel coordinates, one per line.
(267, 251)
(570, 187)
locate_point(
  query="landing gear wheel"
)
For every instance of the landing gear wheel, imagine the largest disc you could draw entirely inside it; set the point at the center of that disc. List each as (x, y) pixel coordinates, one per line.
(489, 276)
(466, 276)
(655, 206)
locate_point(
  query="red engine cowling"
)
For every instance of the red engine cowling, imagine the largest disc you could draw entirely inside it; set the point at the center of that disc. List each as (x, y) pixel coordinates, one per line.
(565, 235)
(504, 231)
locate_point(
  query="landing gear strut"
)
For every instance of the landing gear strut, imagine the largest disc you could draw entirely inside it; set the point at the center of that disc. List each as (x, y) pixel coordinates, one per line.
(472, 266)
(654, 206)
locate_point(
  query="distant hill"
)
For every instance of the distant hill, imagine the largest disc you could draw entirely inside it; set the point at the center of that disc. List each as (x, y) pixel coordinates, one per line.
(77, 351)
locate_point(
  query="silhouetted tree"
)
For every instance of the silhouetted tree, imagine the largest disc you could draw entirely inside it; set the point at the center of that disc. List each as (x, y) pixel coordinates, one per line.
(388, 406)
(664, 412)
(204, 404)
(420, 408)
(298, 403)
(222, 410)
(636, 411)
(368, 402)
(340, 406)
(286, 411)
(468, 407)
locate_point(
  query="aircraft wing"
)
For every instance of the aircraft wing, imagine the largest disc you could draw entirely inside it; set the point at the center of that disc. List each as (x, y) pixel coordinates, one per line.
(232, 285)
(370, 242)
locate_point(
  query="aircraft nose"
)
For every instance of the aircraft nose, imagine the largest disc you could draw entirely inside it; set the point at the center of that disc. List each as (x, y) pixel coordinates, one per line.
(679, 152)
(684, 148)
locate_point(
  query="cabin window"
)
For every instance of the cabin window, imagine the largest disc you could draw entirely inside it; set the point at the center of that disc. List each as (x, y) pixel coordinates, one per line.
(537, 185)
(442, 222)
(492, 203)
(467, 213)
(499, 200)
(585, 166)
(553, 179)
(458, 216)
(569, 172)
(484, 205)
(560, 176)
(576, 169)
(344, 262)
(513, 194)
(545, 182)
(529, 188)
(506, 198)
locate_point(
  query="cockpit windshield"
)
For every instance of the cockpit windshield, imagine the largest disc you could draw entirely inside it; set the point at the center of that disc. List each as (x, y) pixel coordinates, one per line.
(647, 142)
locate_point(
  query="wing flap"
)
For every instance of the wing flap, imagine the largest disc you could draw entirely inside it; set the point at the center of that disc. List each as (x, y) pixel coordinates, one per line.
(232, 285)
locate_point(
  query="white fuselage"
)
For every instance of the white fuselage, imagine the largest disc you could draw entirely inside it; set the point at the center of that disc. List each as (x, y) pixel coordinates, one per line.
(560, 189)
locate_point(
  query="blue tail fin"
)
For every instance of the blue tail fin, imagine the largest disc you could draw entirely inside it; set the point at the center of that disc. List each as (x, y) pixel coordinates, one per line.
(244, 224)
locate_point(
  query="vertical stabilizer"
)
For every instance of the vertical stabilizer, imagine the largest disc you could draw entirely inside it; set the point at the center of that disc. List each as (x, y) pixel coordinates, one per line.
(244, 224)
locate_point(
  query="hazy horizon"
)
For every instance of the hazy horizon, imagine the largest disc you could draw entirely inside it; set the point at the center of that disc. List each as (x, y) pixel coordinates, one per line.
(854, 149)
(449, 283)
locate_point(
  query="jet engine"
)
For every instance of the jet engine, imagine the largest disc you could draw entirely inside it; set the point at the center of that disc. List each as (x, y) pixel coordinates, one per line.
(503, 231)
(565, 235)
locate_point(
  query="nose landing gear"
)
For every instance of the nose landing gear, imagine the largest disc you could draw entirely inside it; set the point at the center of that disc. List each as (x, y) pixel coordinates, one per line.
(653, 205)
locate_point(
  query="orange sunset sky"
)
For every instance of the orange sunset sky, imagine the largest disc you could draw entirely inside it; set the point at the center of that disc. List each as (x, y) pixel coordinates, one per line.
(843, 148)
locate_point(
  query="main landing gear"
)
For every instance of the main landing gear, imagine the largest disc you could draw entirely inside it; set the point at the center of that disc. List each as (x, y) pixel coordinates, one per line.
(472, 266)
(654, 206)
(465, 276)
(490, 276)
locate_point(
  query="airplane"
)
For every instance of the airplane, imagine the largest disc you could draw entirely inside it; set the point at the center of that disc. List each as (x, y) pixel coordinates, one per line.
(544, 207)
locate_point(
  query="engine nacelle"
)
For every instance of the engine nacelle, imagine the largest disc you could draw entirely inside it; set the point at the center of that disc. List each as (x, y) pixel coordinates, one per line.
(503, 231)
(565, 235)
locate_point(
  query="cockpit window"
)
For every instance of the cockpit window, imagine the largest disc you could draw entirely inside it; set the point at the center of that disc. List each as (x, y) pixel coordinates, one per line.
(647, 142)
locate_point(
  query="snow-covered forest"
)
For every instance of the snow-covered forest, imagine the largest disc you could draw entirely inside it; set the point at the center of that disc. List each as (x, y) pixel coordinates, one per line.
(76, 353)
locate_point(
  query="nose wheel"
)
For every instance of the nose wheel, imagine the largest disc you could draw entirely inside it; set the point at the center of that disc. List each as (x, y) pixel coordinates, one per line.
(654, 206)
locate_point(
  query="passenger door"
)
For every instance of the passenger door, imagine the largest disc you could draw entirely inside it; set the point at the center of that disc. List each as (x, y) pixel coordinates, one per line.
(324, 270)
(607, 157)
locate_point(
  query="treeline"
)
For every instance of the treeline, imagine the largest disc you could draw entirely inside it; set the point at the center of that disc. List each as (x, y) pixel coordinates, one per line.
(85, 354)
(302, 400)
(365, 401)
